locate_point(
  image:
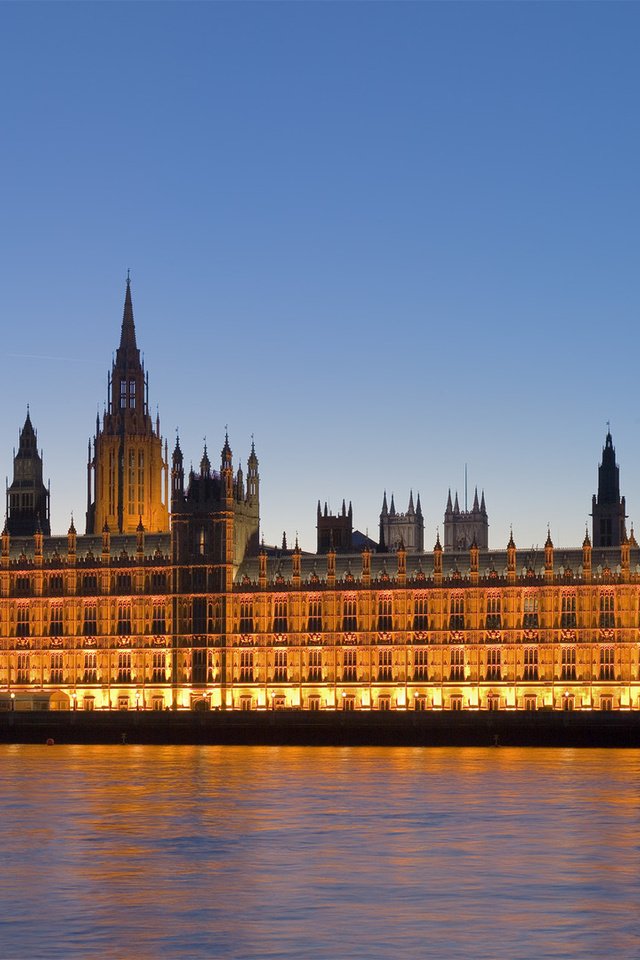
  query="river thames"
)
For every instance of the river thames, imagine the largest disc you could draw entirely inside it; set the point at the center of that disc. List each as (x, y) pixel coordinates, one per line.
(265, 852)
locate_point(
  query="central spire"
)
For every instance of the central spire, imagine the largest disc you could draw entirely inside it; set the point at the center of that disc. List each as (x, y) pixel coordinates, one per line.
(127, 471)
(128, 332)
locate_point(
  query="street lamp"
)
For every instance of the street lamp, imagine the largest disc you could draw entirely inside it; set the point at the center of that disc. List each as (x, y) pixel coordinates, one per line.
(13, 701)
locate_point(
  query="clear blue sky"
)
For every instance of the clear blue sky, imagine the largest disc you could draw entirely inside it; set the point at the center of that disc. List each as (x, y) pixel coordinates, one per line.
(387, 239)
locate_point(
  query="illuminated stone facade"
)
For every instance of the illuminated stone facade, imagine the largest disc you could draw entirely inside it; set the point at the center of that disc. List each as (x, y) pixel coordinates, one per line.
(202, 617)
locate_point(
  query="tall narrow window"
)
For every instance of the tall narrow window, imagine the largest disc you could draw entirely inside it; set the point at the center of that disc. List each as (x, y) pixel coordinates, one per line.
(385, 665)
(280, 616)
(55, 622)
(132, 483)
(349, 666)
(607, 611)
(57, 668)
(314, 623)
(494, 663)
(140, 482)
(22, 626)
(23, 672)
(456, 616)
(124, 668)
(112, 482)
(281, 667)
(158, 623)
(530, 613)
(90, 674)
(199, 666)
(199, 614)
(246, 666)
(124, 620)
(456, 663)
(349, 618)
(494, 612)
(607, 663)
(385, 618)
(568, 614)
(246, 616)
(420, 614)
(420, 662)
(315, 666)
(568, 667)
(530, 663)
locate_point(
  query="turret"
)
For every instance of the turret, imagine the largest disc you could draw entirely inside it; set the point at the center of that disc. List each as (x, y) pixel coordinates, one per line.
(177, 474)
(402, 563)
(72, 540)
(253, 479)
(140, 541)
(474, 566)
(586, 558)
(511, 559)
(205, 463)
(296, 564)
(625, 559)
(366, 566)
(226, 468)
(27, 497)
(548, 557)
(437, 560)
(608, 507)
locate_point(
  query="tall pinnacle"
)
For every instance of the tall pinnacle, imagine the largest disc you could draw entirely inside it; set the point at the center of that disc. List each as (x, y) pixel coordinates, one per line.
(128, 334)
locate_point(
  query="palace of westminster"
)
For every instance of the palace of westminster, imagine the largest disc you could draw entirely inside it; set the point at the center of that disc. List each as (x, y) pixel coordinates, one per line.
(170, 601)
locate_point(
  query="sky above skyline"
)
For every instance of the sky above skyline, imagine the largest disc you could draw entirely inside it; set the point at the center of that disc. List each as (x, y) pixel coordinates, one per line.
(385, 239)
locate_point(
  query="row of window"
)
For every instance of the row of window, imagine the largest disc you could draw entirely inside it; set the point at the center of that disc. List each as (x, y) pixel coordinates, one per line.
(421, 703)
(420, 614)
(88, 584)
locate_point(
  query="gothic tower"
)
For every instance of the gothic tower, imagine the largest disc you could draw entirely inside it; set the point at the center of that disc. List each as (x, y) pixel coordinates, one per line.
(462, 528)
(335, 532)
(406, 529)
(27, 497)
(608, 507)
(127, 474)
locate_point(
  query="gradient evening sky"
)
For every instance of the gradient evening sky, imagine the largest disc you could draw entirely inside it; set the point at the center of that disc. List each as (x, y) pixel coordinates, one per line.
(387, 239)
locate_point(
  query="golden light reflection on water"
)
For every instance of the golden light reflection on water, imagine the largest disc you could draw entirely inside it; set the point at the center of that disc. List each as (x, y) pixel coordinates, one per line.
(319, 853)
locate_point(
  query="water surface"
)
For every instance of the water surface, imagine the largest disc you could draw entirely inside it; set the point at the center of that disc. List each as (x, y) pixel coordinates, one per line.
(266, 852)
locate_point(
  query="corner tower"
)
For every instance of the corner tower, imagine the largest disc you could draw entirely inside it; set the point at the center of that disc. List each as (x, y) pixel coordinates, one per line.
(127, 475)
(608, 507)
(27, 497)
